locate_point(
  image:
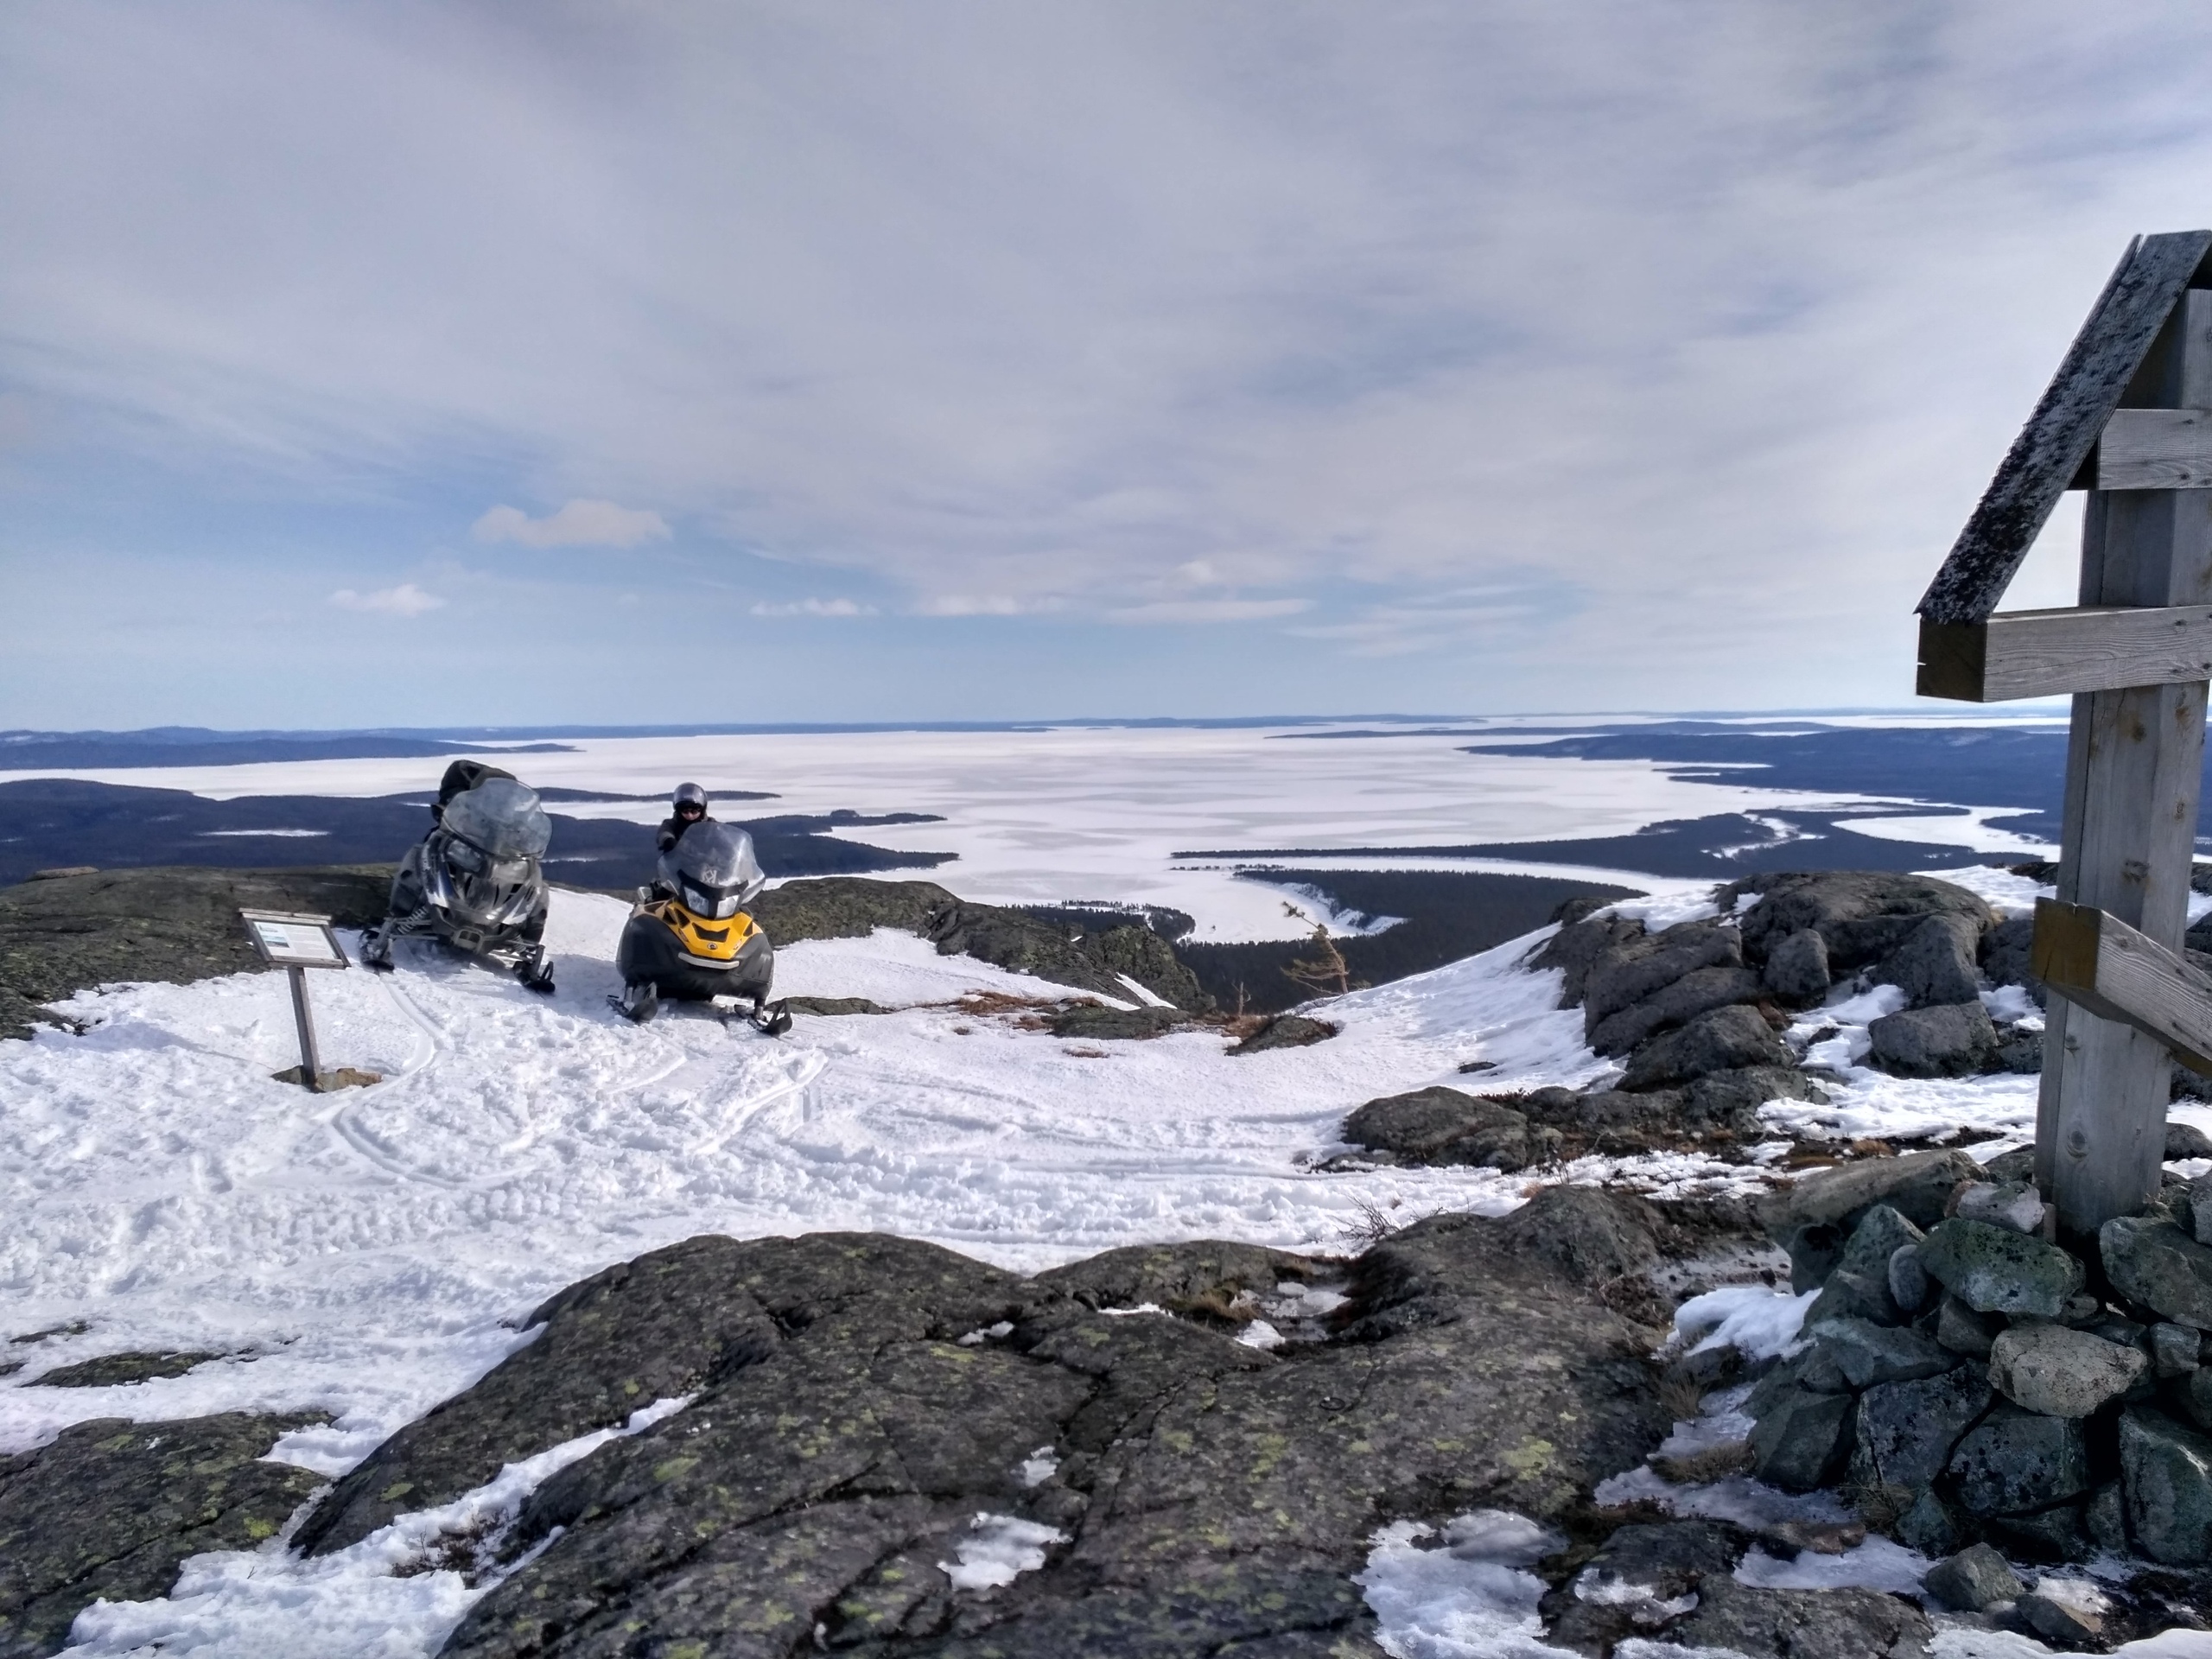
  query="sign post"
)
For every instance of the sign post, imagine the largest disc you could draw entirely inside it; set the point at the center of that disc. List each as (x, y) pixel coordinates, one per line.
(296, 943)
(2128, 418)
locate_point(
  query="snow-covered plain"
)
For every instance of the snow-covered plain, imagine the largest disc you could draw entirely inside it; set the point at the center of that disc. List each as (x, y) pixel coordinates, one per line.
(1051, 814)
(371, 1252)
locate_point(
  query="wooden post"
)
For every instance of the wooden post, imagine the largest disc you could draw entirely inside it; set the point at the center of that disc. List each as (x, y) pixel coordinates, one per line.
(2133, 763)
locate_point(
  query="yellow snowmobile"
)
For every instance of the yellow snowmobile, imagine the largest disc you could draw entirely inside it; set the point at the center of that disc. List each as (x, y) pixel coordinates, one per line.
(690, 938)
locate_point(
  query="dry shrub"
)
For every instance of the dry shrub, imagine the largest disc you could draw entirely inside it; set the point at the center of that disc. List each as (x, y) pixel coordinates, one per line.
(1709, 1463)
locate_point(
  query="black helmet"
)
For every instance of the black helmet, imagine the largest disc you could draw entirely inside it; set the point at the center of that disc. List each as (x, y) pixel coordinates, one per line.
(691, 795)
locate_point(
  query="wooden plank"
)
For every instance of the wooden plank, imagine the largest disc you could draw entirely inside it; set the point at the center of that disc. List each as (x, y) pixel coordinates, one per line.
(2048, 653)
(2051, 449)
(2103, 965)
(2134, 767)
(2156, 449)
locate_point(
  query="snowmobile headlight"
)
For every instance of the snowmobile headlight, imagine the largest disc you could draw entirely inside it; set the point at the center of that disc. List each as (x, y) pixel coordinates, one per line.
(507, 872)
(714, 904)
(462, 857)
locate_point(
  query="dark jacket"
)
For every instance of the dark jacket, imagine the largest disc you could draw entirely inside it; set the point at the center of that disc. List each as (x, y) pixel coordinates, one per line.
(672, 830)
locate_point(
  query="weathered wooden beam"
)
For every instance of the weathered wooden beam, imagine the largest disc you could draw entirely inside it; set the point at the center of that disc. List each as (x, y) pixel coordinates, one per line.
(2048, 653)
(2156, 449)
(2134, 765)
(2100, 964)
(2051, 448)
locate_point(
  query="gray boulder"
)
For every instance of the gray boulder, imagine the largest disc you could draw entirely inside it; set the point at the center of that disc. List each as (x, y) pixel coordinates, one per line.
(1996, 1270)
(2018, 1051)
(1862, 915)
(2062, 1373)
(1796, 970)
(1725, 1039)
(1637, 1580)
(2015, 1461)
(1579, 945)
(1802, 1439)
(2166, 1473)
(1954, 1041)
(1909, 1285)
(1858, 1354)
(1880, 1234)
(1445, 1127)
(2007, 956)
(1935, 964)
(110, 1510)
(1931, 1526)
(1635, 968)
(1848, 1295)
(2176, 1350)
(1287, 1031)
(1733, 1617)
(1694, 993)
(1814, 1218)
(2071, 1612)
(1906, 1432)
(2158, 1265)
(1977, 1577)
(2105, 1517)
(2015, 1205)
(1962, 1331)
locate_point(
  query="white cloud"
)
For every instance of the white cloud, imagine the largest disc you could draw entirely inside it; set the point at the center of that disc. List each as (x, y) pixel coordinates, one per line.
(1209, 610)
(1721, 314)
(579, 524)
(406, 600)
(814, 607)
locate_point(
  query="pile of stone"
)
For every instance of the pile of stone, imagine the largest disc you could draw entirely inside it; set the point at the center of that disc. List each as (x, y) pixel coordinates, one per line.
(1695, 1013)
(1968, 1379)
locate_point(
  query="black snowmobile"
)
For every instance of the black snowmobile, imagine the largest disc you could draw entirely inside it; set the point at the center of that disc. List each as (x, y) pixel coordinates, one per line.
(473, 881)
(689, 938)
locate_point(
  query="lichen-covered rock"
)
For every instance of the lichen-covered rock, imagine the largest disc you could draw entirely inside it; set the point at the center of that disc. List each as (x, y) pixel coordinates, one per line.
(1725, 1039)
(1444, 1126)
(2007, 956)
(2062, 1373)
(1740, 1618)
(1862, 915)
(1858, 1354)
(1906, 1432)
(1802, 1439)
(2015, 1461)
(1995, 1270)
(110, 1510)
(1578, 945)
(2015, 1205)
(1796, 970)
(2166, 1475)
(1961, 1330)
(1880, 1234)
(1950, 1041)
(1215, 1499)
(1694, 993)
(1977, 1577)
(1930, 1525)
(1935, 964)
(1637, 968)
(2156, 1264)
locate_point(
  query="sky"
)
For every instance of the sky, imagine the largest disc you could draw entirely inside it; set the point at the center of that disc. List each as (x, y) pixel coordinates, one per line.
(647, 362)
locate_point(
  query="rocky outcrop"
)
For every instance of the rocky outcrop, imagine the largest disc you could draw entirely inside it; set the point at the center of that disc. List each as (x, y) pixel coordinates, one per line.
(112, 1508)
(856, 1402)
(1975, 1385)
(75, 932)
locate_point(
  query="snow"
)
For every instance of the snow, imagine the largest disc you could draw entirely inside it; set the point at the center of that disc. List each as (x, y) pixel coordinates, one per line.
(1461, 1593)
(997, 1550)
(1757, 1321)
(374, 1598)
(1878, 1564)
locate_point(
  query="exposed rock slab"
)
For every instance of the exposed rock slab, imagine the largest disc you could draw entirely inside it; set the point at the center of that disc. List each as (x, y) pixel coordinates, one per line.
(1209, 1493)
(111, 1509)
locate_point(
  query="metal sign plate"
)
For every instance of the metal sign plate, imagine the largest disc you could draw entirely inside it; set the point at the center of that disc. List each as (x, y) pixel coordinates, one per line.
(286, 940)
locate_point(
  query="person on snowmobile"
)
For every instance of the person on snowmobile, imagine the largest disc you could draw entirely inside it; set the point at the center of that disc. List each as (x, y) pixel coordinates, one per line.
(697, 942)
(474, 881)
(689, 806)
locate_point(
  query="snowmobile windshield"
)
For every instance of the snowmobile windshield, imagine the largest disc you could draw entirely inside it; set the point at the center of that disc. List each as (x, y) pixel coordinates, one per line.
(713, 870)
(500, 818)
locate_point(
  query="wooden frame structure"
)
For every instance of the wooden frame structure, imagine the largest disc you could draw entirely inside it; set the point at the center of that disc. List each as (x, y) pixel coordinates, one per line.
(2128, 417)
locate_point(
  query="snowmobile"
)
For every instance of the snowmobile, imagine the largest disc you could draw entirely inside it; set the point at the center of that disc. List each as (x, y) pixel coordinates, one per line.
(689, 938)
(474, 881)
